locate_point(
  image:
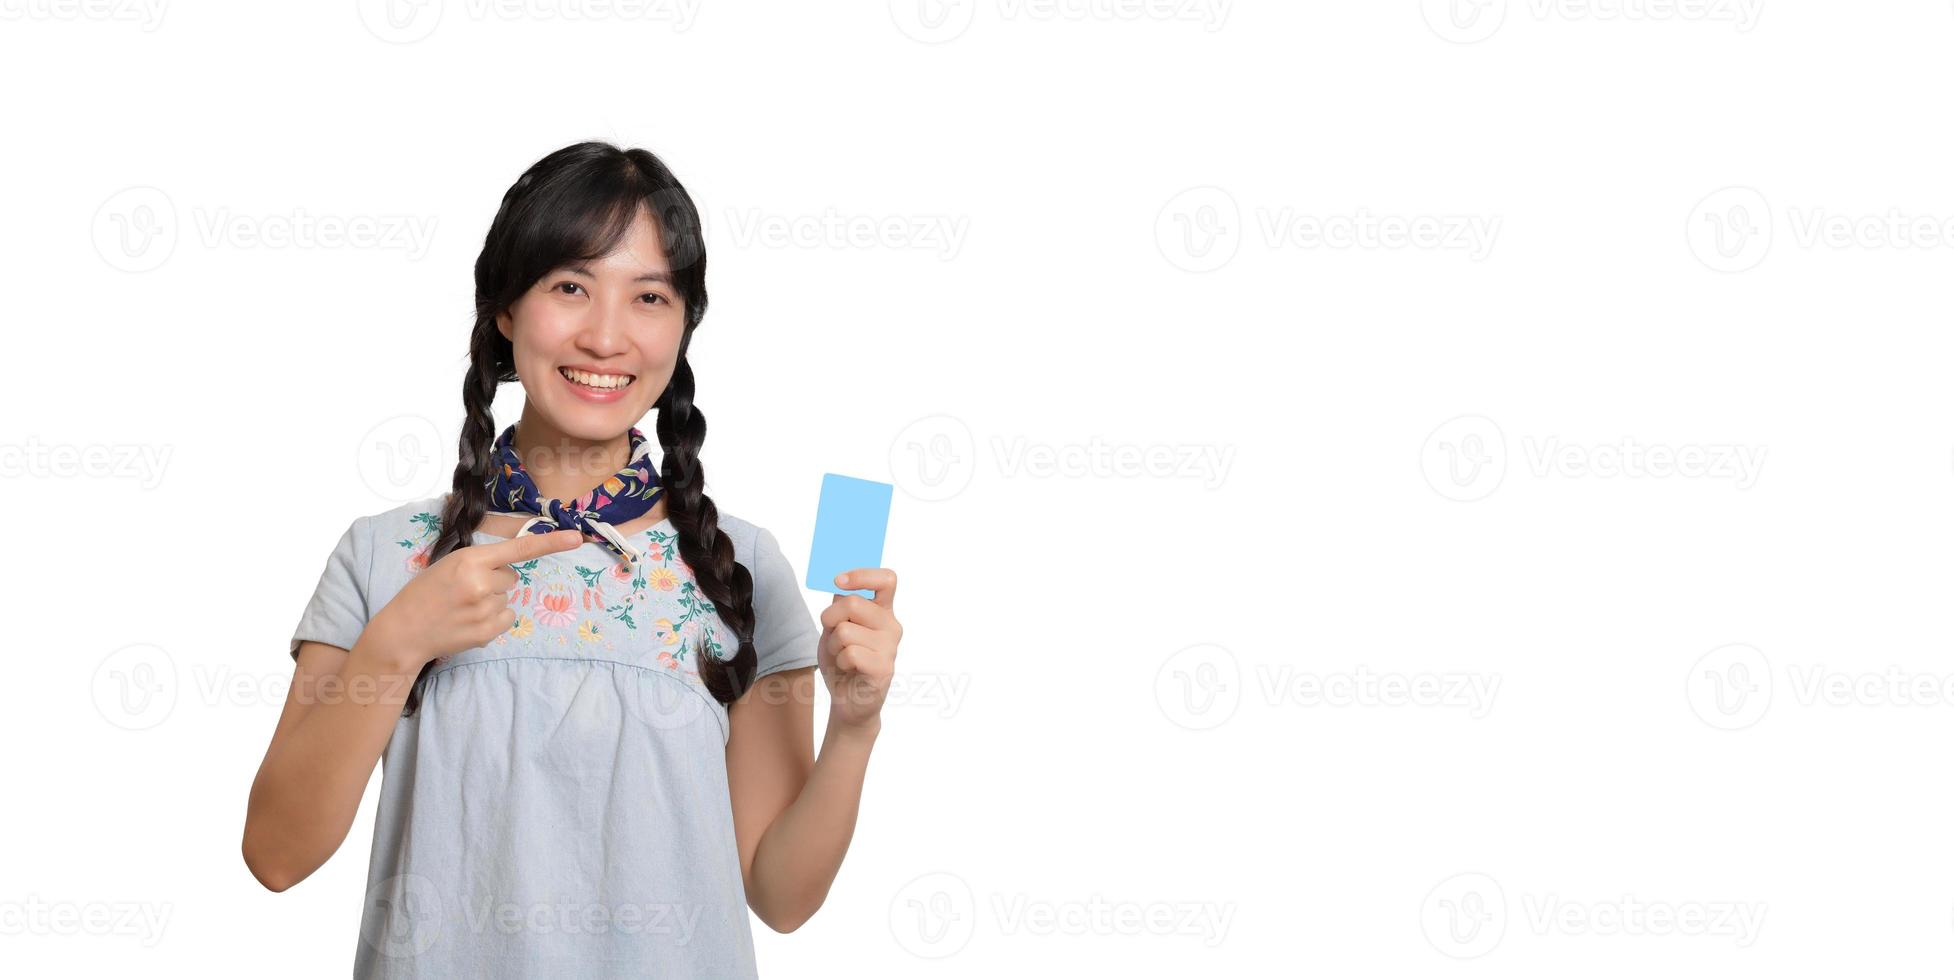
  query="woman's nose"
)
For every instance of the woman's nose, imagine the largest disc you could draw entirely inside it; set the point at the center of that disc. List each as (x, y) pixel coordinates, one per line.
(603, 332)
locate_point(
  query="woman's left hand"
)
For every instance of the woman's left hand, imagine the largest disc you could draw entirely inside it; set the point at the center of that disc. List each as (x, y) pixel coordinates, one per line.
(858, 648)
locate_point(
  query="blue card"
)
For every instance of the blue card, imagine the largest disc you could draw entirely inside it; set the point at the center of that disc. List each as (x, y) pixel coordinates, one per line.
(849, 528)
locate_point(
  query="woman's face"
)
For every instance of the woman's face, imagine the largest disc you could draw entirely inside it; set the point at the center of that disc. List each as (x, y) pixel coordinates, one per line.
(596, 343)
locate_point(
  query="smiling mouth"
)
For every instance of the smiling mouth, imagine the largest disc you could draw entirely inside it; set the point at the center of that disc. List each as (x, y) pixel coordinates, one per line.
(596, 382)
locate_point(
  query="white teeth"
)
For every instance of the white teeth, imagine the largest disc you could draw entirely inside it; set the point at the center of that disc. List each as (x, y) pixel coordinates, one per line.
(589, 380)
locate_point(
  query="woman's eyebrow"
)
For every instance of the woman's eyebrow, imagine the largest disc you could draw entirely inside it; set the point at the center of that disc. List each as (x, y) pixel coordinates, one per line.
(584, 270)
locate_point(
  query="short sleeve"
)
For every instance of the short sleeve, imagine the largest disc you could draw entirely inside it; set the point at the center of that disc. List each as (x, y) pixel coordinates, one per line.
(785, 635)
(337, 612)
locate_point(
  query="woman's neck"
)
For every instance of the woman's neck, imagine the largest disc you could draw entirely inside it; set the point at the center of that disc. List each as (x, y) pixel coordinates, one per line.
(564, 467)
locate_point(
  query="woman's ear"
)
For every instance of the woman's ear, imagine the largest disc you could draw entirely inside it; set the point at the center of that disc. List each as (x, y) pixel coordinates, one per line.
(505, 326)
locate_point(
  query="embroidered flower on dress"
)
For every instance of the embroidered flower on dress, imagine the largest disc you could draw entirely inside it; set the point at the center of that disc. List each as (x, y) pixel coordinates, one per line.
(554, 605)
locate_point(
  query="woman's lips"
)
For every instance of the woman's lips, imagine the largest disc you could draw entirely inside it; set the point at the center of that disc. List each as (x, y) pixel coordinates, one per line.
(593, 393)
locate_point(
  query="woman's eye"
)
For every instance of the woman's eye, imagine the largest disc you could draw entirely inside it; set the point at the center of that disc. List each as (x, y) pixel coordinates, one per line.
(568, 288)
(654, 298)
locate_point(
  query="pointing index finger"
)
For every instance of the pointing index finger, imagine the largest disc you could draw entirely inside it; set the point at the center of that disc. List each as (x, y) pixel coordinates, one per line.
(523, 547)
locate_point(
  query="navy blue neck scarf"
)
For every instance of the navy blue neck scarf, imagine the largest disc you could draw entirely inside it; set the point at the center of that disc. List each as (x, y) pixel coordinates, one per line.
(631, 493)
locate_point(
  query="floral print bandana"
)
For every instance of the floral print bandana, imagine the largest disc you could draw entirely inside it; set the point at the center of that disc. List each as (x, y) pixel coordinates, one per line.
(629, 494)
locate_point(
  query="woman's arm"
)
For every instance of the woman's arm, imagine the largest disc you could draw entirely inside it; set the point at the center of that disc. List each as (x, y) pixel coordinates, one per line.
(338, 716)
(344, 704)
(792, 813)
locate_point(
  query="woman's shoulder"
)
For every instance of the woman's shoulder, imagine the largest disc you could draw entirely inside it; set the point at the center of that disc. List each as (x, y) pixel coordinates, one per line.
(415, 516)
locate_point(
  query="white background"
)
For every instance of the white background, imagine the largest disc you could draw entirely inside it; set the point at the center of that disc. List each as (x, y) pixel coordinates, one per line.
(1495, 440)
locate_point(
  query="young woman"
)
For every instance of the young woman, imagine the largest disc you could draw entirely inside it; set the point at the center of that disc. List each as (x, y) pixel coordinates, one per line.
(593, 691)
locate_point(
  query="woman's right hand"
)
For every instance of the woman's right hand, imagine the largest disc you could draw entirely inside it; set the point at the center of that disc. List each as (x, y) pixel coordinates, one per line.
(461, 601)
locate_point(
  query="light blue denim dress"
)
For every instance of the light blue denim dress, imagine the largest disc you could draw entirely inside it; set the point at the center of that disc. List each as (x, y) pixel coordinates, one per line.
(558, 805)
